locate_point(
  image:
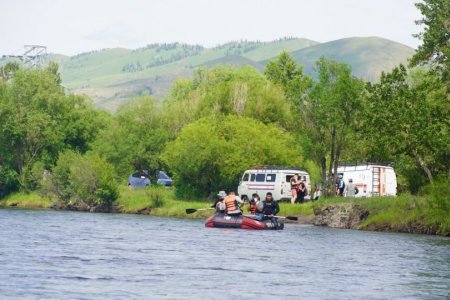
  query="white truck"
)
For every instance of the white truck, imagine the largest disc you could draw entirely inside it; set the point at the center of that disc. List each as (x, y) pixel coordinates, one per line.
(275, 179)
(371, 179)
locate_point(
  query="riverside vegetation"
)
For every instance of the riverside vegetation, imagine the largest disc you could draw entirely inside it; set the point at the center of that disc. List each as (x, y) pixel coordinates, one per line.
(55, 147)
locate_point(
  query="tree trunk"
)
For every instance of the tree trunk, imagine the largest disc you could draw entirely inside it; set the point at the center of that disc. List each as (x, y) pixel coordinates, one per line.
(330, 169)
(422, 164)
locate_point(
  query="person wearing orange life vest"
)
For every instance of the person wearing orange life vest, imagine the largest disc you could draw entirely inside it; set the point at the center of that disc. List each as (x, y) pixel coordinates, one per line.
(253, 204)
(232, 203)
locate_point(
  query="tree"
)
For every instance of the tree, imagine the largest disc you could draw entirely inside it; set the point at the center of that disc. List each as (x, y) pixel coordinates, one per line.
(211, 153)
(37, 121)
(329, 113)
(283, 71)
(436, 46)
(226, 91)
(413, 114)
(135, 138)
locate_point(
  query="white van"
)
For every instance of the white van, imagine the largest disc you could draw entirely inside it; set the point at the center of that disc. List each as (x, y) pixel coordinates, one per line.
(273, 179)
(371, 179)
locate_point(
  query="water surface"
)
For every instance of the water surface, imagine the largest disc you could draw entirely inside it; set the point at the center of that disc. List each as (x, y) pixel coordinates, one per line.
(61, 255)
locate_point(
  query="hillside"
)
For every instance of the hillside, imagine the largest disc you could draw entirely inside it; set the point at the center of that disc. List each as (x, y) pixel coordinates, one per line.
(112, 76)
(367, 56)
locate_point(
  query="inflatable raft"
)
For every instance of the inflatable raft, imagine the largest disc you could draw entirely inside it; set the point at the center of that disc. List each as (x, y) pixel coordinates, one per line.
(243, 222)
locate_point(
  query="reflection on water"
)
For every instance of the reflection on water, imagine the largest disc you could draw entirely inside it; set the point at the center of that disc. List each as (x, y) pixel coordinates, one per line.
(45, 254)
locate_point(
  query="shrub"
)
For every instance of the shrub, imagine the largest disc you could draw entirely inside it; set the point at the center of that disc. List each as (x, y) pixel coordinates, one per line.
(83, 177)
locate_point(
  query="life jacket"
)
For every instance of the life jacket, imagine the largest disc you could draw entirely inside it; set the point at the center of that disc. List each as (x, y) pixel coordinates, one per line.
(231, 203)
(270, 208)
(252, 208)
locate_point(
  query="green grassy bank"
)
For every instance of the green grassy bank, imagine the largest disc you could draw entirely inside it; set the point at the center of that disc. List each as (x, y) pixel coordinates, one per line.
(406, 213)
(156, 201)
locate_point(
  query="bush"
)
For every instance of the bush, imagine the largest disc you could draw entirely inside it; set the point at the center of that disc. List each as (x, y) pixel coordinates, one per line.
(211, 153)
(83, 177)
(156, 196)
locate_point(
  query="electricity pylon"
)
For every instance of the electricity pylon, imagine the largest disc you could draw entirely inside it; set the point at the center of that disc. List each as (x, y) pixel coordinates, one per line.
(33, 56)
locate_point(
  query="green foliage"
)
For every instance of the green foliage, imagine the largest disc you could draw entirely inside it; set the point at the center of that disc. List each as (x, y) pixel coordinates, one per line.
(330, 113)
(157, 196)
(135, 138)
(403, 106)
(283, 71)
(436, 47)
(223, 91)
(88, 178)
(37, 121)
(211, 153)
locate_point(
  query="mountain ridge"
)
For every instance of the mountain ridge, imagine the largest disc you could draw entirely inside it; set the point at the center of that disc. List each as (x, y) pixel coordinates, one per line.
(113, 75)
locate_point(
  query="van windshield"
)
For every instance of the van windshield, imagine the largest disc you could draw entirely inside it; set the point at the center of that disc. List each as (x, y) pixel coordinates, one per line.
(245, 177)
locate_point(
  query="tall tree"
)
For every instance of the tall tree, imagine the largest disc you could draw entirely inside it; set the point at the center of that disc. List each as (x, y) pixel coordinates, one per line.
(408, 115)
(330, 112)
(436, 21)
(283, 70)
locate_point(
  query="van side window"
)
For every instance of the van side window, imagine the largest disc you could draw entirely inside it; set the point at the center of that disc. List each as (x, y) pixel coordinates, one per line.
(245, 178)
(260, 177)
(271, 177)
(288, 177)
(252, 177)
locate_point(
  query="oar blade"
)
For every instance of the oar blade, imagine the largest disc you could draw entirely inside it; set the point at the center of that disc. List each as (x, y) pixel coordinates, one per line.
(292, 218)
(190, 210)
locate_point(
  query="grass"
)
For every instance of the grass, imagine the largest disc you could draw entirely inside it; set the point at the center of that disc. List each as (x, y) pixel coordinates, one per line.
(405, 213)
(25, 200)
(428, 213)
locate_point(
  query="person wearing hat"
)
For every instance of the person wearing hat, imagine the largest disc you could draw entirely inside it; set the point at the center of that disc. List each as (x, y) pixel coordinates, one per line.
(253, 204)
(219, 205)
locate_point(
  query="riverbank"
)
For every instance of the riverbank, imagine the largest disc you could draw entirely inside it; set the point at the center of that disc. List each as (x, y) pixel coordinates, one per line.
(154, 201)
(406, 213)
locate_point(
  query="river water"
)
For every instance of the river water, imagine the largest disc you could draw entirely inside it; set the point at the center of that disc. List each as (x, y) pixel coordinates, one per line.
(69, 255)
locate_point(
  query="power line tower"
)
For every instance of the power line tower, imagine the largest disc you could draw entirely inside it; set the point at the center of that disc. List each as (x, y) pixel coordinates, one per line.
(34, 56)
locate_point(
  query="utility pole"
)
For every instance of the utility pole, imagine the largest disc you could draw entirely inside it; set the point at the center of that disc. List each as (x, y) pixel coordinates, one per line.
(32, 57)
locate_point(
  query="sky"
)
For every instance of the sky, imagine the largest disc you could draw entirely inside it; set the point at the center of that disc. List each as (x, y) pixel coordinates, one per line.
(74, 26)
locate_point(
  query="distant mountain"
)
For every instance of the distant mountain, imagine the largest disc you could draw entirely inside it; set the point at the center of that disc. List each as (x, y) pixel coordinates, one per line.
(368, 56)
(111, 76)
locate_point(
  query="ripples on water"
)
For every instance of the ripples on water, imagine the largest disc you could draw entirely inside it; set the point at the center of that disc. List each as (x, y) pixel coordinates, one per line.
(60, 255)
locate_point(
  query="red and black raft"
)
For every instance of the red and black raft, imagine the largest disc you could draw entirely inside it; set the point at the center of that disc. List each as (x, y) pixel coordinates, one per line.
(243, 222)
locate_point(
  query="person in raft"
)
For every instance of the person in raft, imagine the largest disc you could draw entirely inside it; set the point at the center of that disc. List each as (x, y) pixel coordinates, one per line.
(232, 204)
(269, 207)
(253, 204)
(218, 204)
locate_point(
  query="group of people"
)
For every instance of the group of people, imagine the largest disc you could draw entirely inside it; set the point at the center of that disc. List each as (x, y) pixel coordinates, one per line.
(260, 209)
(341, 189)
(298, 189)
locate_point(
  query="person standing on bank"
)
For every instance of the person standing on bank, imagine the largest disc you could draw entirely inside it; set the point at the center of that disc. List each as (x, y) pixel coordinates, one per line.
(301, 192)
(350, 189)
(340, 186)
(294, 187)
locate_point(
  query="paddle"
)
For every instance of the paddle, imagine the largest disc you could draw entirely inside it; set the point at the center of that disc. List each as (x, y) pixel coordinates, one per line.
(193, 210)
(292, 218)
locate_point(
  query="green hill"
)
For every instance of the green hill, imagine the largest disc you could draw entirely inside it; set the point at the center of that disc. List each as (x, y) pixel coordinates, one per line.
(112, 76)
(368, 56)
